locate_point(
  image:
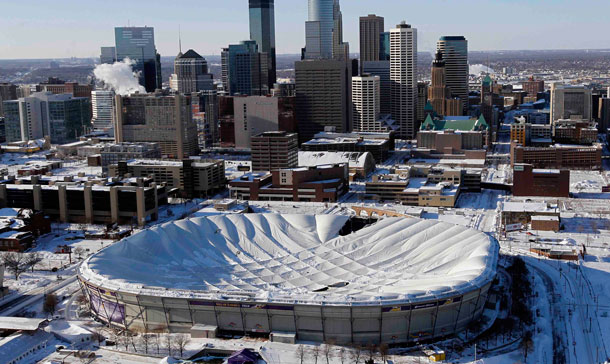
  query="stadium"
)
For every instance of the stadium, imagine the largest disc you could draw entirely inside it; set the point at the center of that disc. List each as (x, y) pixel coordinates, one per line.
(312, 276)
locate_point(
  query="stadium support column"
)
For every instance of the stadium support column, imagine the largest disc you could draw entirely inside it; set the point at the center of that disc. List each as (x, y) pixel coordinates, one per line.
(2, 195)
(63, 204)
(88, 197)
(141, 208)
(37, 196)
(114, 205)
(155, 215)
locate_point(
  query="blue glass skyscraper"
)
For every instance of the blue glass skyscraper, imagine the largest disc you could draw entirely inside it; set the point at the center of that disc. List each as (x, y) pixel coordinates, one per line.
(138, 44)
(319, 30)
(262, 31)
(246, 69)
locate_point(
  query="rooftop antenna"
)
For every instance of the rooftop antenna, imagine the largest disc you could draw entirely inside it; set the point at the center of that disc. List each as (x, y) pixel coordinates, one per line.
(179, 39)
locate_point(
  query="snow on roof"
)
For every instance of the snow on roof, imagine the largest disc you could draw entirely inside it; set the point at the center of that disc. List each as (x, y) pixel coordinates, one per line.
(289, 258)
(545, 218)
(70, 332)
(526, 207)
(14, 346)
(311, 159)
(20, 323)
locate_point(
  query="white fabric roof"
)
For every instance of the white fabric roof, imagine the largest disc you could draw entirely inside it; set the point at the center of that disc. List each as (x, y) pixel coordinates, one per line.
(289, 258)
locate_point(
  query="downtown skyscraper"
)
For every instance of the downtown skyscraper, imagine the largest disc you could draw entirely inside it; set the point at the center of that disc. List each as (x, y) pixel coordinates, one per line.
(262, 30)
(454, 50)
(403, 78)
(138, 44)
(319, 30)
(371, 29)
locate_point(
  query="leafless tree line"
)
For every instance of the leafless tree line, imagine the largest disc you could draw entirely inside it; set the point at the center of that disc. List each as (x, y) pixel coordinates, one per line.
(354, 354)
(156, 342)
(19, 263)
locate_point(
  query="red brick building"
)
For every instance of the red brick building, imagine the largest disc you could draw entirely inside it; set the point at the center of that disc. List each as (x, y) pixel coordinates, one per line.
(528, 181)
(60, 87)
(558, 156)
(308, 184)
(532, 87)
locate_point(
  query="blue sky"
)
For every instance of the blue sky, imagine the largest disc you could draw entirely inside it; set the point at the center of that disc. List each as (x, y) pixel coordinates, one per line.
(64, 28)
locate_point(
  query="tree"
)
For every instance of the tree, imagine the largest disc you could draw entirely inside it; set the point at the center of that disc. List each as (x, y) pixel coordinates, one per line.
(79, 252)
(327, 351)
(342, 354)
(146, 340)
(50, 304)
(384, 351)
(168, 344)
(527, 343)
(300, 353)
(33, 259)
(371, 350)
(315, 352)
(122, 340)
(16, 263)
(180, 342)
(356, 353)
(98, 334)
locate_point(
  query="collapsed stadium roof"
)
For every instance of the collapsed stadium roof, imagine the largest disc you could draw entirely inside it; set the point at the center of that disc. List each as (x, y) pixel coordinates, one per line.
(297, 259)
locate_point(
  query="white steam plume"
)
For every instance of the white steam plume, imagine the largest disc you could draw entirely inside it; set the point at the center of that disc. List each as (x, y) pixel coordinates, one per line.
(119, 77)
(477, 69)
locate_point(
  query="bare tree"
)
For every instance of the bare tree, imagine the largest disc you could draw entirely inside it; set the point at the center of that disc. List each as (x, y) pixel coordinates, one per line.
(168, 344)
(342, 354)
(123, 340)
(132, 341)
(383, 352)
(16, 263)
(79, 252)
(371, 350)
(327, 350)
(50, 303)
(33, 259)
(146, 340)
(315, 353)
(98, 334)
(356, 353)
(180, 342)
(301, 353)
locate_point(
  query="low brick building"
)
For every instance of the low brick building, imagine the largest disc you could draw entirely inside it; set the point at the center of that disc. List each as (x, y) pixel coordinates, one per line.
(558, 156)
(545, 223)
(528, 181)
(309, 184)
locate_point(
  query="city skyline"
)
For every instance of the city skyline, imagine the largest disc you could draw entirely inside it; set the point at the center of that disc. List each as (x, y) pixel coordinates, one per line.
(23, 37)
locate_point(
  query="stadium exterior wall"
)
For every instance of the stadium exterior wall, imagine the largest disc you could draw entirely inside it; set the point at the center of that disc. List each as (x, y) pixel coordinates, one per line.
(344, 324)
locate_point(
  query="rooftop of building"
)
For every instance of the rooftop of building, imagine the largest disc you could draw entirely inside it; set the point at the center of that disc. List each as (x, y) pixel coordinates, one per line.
(528, 207)
(275, 134)
(252, 176)
(355, 159)
(457, 123)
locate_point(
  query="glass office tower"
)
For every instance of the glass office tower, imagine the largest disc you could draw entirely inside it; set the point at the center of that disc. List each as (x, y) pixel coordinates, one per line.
(138, 44)
(262, 30)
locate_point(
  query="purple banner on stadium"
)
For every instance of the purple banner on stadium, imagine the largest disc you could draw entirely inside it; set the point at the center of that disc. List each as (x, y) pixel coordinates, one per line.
(111, 311)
